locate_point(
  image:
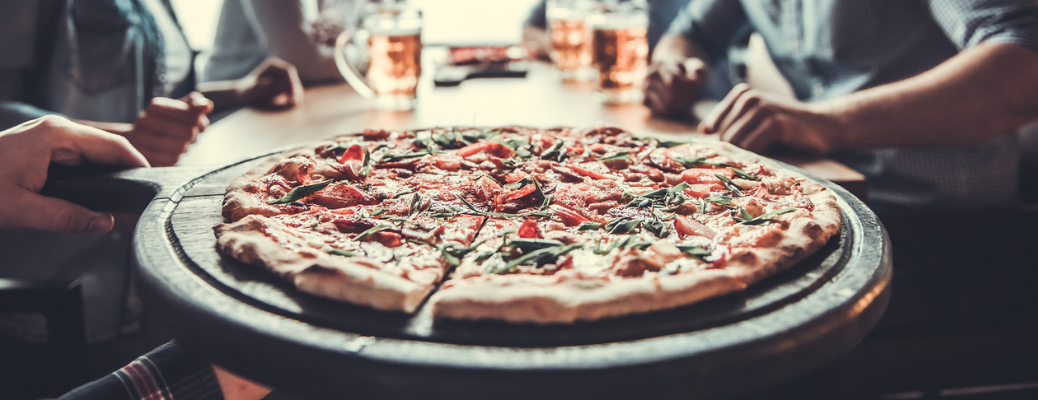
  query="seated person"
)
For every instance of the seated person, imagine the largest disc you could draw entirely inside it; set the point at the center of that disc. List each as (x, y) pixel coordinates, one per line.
(921, 98)
(301, 32)
(28, 149)
(125, 67)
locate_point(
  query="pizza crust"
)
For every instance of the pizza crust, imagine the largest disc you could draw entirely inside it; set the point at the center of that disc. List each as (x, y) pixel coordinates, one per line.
(352, 279)
(240, 198)
(544, 299)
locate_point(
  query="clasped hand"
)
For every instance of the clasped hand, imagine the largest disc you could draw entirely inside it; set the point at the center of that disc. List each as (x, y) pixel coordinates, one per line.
(28, 150)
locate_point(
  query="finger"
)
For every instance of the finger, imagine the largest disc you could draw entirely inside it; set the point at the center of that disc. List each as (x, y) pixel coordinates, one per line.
(655, 104)
(198, 102)
(148, 142)
(55, 215)
(73, 144)
(668, 72)
(297, 87)
(709, 125)
(747, 122)
(173, 110)
(160, 126)
(161, 159)
(660, 91)
(746, 104)
(761, 138)
(694, 69)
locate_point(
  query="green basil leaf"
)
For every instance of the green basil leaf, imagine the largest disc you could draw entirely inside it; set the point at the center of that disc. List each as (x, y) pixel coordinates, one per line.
(387, 158)
(416, 203)
(341, 252)
(730, 185)
(693, 251)
(768, 216)
(742, 174)
(556, 152)
(301, 192)
(657, 227)
(722, 200)
(624, 227)
(589, 226)
(379, 212)
(542, 256)
(527, 245)
(366, 168)
(621, 156)
(371, 231)
(671, 143)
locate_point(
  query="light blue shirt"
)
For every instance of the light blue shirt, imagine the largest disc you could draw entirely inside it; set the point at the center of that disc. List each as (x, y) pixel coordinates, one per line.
(831, 48)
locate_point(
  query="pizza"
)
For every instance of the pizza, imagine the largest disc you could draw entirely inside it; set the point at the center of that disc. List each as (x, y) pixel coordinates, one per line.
(522, 224)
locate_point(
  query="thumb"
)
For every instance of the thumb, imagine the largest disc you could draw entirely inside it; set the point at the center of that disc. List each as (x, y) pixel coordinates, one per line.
(56, 215)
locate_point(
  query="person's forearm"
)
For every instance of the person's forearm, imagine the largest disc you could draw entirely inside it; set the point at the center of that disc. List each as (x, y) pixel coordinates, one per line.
(980, 93)
(677, 48)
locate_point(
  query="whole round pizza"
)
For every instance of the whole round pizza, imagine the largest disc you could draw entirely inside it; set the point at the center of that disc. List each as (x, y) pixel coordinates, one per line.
(522, 224)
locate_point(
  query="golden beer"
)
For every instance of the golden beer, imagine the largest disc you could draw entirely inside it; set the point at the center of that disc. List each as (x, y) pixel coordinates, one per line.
(394, 56)
(395, 64)
(570, 46)
(620, 50)
(620, 55)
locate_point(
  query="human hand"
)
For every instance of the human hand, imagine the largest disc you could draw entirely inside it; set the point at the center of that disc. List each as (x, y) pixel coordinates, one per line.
(671, 86)
(274, 84)
(27, 151)
(166, 127)
(755, 121)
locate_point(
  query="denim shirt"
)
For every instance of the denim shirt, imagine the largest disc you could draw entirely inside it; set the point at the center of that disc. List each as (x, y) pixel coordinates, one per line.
(831, 48)
(98, 60)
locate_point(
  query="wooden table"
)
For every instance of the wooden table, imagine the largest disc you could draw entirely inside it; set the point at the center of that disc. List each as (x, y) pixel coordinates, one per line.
(540, 99)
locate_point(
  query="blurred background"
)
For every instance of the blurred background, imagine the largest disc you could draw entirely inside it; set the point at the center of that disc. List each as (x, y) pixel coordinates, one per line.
(479, 22)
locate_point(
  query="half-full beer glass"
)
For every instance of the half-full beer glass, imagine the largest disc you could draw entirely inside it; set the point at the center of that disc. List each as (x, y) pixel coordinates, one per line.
(393, 57)
(570, 37)
(620, 50)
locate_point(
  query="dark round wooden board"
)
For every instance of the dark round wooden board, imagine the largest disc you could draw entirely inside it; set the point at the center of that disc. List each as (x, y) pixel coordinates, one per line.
(257, 325)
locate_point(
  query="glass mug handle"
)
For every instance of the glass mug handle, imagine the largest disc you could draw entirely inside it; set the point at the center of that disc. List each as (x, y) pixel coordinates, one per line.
(347, 70)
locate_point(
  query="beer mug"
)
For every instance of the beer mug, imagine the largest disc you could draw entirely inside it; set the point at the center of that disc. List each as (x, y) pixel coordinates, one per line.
(393, 62)
(620, 50)
(570, 37)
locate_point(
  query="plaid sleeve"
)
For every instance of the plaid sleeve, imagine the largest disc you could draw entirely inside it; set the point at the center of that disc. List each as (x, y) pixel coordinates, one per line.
(971, 22)
(166, 373)
(711, 24)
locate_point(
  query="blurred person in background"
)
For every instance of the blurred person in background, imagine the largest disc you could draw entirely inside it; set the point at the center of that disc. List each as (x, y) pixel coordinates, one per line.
(28, 150)
(301, 32)
(923, 98)
(125, 67)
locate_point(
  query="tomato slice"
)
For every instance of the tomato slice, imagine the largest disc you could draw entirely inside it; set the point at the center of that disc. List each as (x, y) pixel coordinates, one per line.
(568, 217)
(493, 148)
(529, 230)
(689, 227)
(699, 190)
(353, 153)
(706, 176)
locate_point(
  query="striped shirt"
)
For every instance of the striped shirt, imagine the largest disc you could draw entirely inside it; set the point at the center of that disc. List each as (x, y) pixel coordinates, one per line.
(831, 48)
